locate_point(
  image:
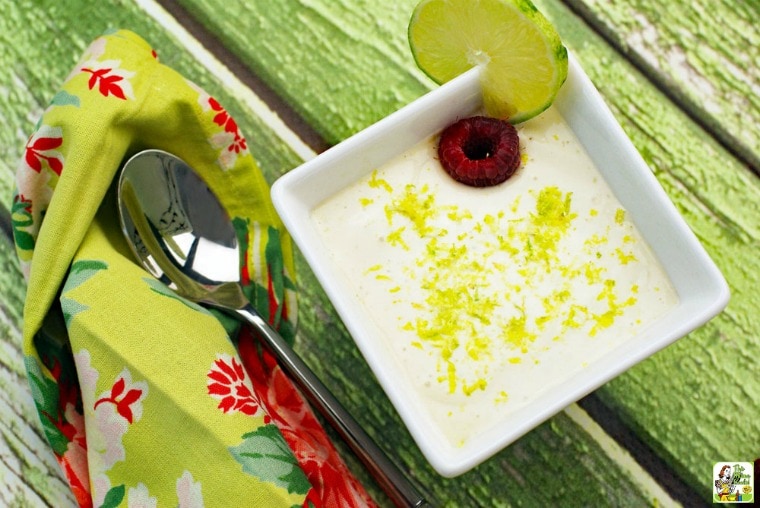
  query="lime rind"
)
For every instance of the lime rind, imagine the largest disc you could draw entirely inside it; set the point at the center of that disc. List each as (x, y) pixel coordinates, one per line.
(524, 63)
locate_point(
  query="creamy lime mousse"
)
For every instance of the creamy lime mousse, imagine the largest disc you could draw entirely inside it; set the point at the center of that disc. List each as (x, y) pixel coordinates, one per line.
(488, 297)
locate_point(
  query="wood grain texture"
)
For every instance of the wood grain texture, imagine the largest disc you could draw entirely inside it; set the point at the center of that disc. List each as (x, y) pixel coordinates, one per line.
(34, 80)
(693, 401)
(704, 52)
(560, 452)
(687, 402)
(353, 67)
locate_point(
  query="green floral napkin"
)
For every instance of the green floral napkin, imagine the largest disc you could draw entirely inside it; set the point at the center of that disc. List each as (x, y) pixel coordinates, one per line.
(148, 399)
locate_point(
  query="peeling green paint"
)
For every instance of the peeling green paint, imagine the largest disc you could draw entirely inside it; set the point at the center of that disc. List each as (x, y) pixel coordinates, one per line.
(676, 401)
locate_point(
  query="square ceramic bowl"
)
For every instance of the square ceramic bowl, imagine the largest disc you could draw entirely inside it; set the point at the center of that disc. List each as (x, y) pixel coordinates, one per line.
(699, 288)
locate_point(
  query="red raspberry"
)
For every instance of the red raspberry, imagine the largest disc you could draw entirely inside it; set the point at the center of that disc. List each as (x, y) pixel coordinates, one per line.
(479, 151)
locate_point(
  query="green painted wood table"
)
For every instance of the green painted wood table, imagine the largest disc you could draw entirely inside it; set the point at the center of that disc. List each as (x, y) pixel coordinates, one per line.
(302, 75)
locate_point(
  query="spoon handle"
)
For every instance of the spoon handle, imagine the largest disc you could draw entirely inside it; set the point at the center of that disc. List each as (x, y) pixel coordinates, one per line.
(398, 488)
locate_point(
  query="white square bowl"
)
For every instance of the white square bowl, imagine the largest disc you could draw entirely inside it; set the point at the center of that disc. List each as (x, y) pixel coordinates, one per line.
(701, 289)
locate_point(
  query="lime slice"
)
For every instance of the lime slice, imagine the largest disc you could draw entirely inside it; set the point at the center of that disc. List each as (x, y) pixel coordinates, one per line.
(524, 62)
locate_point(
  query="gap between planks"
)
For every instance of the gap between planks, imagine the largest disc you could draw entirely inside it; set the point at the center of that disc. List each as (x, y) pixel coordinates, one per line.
(616, 438)
(251, 90)
(688, 106)
(644, 466)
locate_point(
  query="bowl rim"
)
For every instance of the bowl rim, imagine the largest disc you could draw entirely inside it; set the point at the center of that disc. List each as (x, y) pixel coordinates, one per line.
(702, 289)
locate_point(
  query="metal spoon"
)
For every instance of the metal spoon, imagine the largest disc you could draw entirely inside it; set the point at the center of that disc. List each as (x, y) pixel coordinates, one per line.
(182, 235)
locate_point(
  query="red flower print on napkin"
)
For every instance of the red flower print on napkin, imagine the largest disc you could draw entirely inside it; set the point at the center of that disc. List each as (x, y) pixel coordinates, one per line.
(228, 382)
(224, 134)
(42, 147)
(109, 79)
(223, 119)
(333, 483)
(123, 404)
(70, 424)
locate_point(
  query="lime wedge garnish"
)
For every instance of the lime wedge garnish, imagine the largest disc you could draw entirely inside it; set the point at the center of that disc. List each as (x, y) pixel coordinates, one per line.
(523, 60)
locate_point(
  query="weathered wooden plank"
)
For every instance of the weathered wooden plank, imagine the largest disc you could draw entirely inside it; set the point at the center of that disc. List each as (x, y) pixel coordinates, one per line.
(560, 453)
(706, 52)
(354, 66)
(687, 401)
(679, 402)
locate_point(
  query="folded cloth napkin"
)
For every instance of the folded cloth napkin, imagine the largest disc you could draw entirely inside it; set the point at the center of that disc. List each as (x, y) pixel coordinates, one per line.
(146, 398)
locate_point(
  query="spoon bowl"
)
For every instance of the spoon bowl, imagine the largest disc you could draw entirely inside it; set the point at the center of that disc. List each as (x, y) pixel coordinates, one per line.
(179, 231)
(182, 235)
